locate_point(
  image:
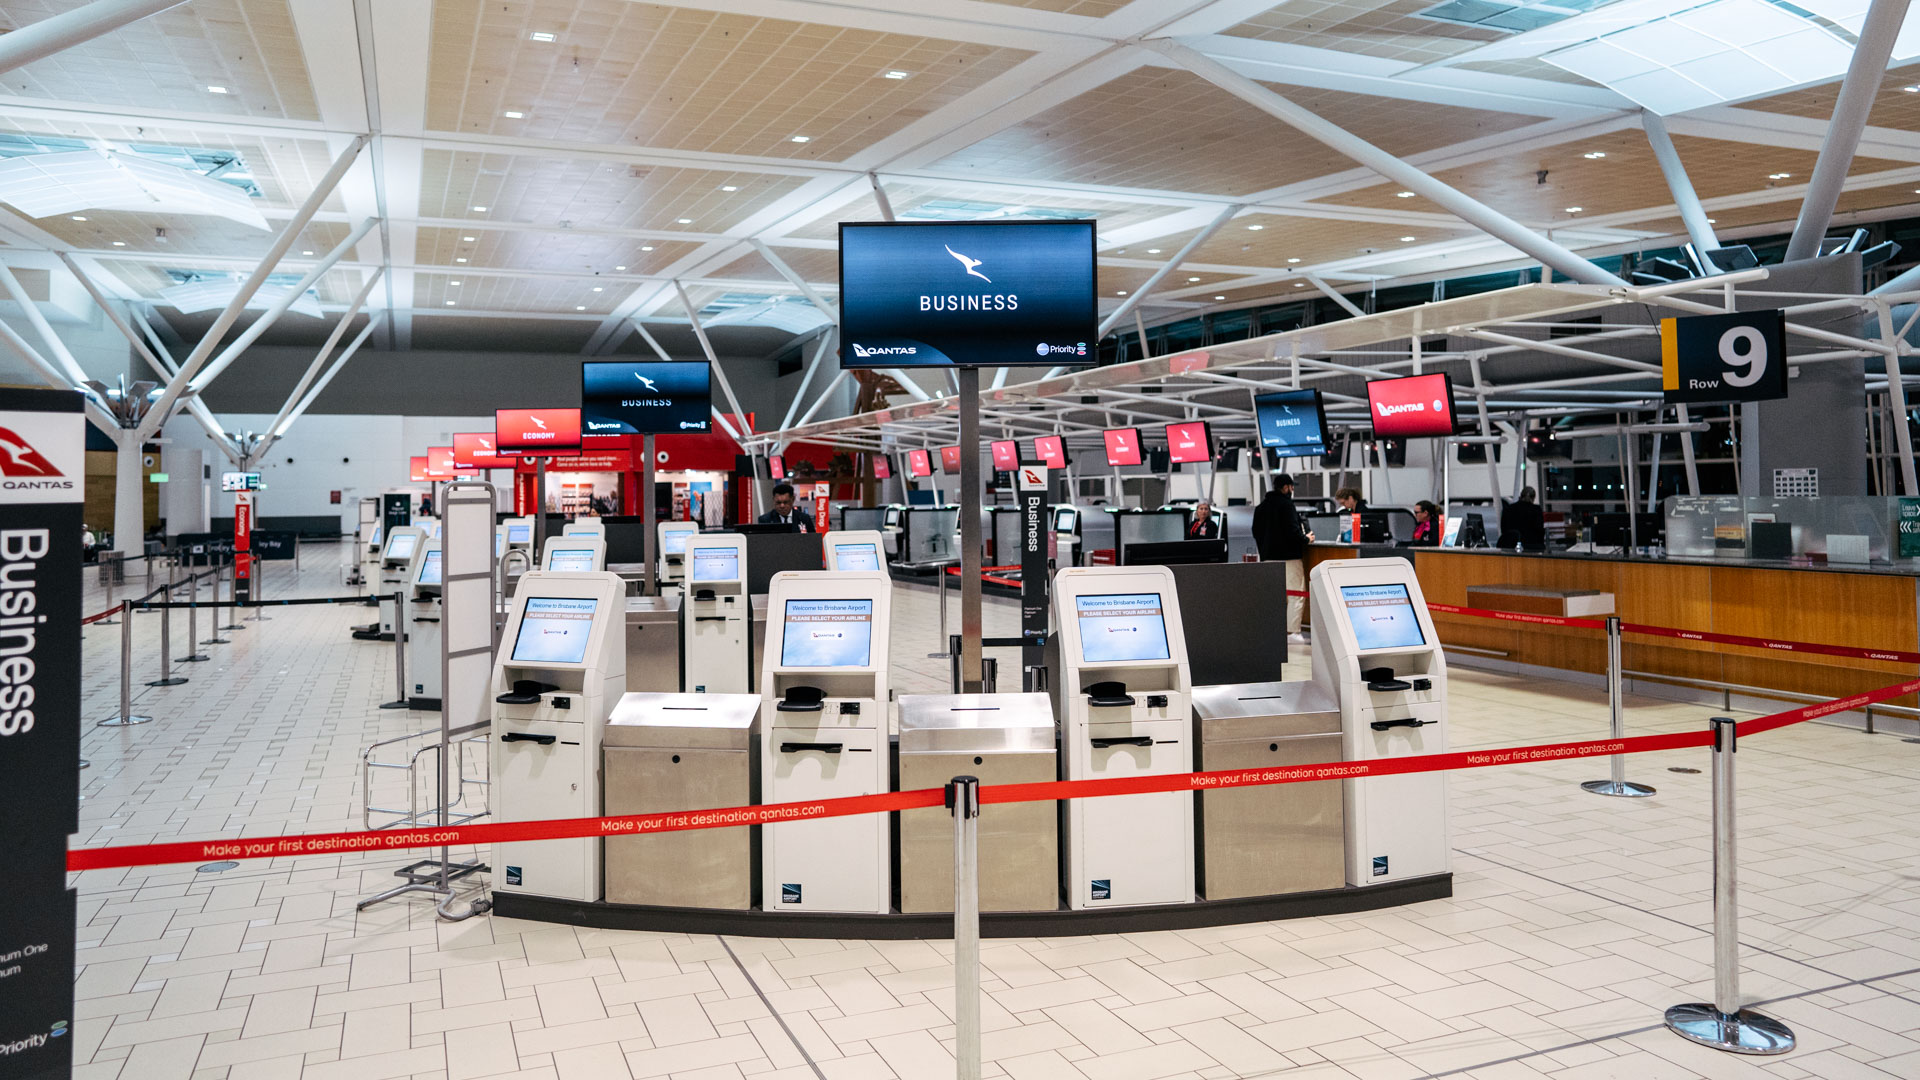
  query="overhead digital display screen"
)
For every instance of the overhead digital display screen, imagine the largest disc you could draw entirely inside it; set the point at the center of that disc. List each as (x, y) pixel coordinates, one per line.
(429, 568)
(1123, 446)
(1293, 422)
(716, 564)
(1410, 408)
(778, 465)
(950, 460)
(919, 464)
(554, 630)
(536, 431)
(856, 557)
(417, 469)
(1121, 627)
(827, 634)
(645, 397)
(1189, 443)
(1051, 450)
(1006, 455)
(940, 294)
(475, 450)
(239, 481)
(882, 468)
(570, 560)
(1382, 617)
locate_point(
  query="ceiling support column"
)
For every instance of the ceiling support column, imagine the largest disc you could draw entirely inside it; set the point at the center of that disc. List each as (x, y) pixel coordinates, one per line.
(1139, 294)
(284, 418)
(1692, 214)
(69, 28)
(272, 314)
(1857, 92)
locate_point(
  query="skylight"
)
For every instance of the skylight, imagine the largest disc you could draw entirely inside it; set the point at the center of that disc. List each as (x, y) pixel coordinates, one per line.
(43, 185)
(213, 291)
(962, 210)
(1509, 16)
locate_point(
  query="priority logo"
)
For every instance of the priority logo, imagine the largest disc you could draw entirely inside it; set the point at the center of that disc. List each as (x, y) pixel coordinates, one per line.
(18, 458)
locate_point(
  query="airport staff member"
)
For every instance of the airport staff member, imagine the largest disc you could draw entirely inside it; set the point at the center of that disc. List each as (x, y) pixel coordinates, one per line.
(1350, 500)
(1282, 537)
(784, 511)
(1426, 525)
(1523, 524)
(1205, 526)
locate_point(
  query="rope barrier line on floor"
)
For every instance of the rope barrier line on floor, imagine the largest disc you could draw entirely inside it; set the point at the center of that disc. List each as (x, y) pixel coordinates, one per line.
(265, 847)
(294, 602)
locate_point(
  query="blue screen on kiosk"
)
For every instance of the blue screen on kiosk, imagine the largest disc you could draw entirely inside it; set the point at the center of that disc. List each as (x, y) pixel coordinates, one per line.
(1382, 617)
(519, 534)
(677, 541)
(570, 560)
(400, 545)
(716, 564)
(499, 544)
(430, 568)
(554, 631)
(827, 634)
(855, 557)
(1119, 627)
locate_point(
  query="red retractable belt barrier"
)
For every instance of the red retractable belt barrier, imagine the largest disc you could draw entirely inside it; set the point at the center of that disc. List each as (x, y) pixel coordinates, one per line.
(1892, 655)
(102, 615)
(1519, 616)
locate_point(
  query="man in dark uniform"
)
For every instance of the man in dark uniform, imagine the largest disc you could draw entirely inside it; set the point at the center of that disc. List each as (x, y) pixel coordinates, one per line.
(784, 511)
(1283, 537)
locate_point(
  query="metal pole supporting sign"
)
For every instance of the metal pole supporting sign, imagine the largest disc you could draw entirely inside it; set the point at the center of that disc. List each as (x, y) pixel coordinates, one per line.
(963, 799)
(1617, 784)
(126, 718)
(1722, 1023)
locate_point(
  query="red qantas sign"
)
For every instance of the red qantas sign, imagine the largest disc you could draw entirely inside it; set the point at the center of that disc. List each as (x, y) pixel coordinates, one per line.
(919, 464)
(950, 460)
(1006, 455)
(1413, 407)
(1189, 443)
(536, 431)
(440, 462)
(19, 458)
(417, 469)
(475, 450)
(1123, 446)
(1051, 450)
(778, 464)
(882, 468)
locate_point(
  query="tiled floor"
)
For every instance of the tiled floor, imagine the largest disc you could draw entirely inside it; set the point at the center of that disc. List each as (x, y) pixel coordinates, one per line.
(1576, 920)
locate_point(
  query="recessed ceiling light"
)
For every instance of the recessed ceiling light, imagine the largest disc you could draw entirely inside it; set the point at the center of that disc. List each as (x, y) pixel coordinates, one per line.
(619, 268)
(1220, 297)
(1153, 251)
(79, 217)
(1403, 195)
(1911, 89)
(1122, 292)
(1255, 228)
(802, 138)
(647, 247)
(119, 243)
(1594, 155)
(468, 239)
(453, 283)
(729, 187)
(479, 209)
(1778, 175)
(1713, 221)
(306, 253)
(449, 303)
(541, 35)
(459, 260)
(579, 307)
(216, 89)
(686, 221)
(514, 114)
(1191, 280)
(1406, 239)
(1575, 209)
(1299, 284)
(597, 288)
(896, 75)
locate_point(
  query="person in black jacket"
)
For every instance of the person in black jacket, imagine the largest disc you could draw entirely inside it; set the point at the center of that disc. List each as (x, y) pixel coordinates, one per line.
(1205, 526)
(1523, 524)
(1282, 537)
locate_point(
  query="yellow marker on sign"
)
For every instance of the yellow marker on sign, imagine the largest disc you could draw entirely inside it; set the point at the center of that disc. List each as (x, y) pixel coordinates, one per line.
(1669, 355)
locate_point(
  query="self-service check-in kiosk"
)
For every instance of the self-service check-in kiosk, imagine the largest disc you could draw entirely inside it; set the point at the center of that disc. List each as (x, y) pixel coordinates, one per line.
(1126, 706)
(1374, 646)
(673, 549)
(519, 533)
(575, 554)
(561, 668)
(585, 527)
(716, 616)
(823, 731)
(424, 632)
(855, 549)
(396, 568)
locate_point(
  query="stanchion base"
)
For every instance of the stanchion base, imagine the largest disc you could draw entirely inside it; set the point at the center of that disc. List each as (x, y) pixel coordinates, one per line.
(1625, 789)
(126, 721)
(258, 618)
(175, 681)
(216, 641)
(403, 703)
(1744, 1032)
(196, 658)
(231, 626)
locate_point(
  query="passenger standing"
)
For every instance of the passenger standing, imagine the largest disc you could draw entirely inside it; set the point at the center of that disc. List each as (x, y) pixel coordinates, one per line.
(1282, 537)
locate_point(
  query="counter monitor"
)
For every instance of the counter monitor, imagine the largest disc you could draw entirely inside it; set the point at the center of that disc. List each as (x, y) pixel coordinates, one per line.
(1121, 627)
(645, 397)
(1190, 443)
(1051, 450)
(1411, 407)
(430, 568)
(950, 460)
(827, 634)
(856, 557)
(570, 560)
(554, 630)
(882, 469)
(519, 534)
(1123, 446)
(676, 541)
(716, 564)
(1382, 617)
(1006, 455)
(400, 546)
(777, 465)
(919, 464)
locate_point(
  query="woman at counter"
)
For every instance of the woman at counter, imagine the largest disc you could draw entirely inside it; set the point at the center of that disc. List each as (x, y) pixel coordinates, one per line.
(1426, 525)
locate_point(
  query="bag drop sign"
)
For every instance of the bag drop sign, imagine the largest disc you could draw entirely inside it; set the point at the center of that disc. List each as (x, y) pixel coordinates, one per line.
(1739, 356)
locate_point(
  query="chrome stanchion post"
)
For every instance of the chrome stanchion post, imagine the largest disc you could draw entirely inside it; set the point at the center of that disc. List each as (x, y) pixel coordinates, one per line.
(1723, 1024)
(963, 799)
(258, 569)
(1617, 784)
(166, 632)
(399, 651)
(125, 717)
(233, 595)
(940, 579)
(193, 621)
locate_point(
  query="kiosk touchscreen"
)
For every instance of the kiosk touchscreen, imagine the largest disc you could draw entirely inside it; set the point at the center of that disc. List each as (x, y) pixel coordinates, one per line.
(575, 554)
(856, 549)
(1125, 701)
(673, 548)
(823, 731)
(423, 627)
(560, 670)
(396, 569)
(585, 527)
(1375, 648)
(715, 616)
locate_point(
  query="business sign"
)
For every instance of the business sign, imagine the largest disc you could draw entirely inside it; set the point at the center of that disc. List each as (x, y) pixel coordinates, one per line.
(950, 460)
(1051, 450)
(1292, 421)
(536, 431)
(42, 475)
(1006, 455)
(1739, 356)
(967, 293)
(1190, 443)
(1414, 407)
(1123, 446)
(475, 450)
(645, 397)
(919, 464)
(1035, 533)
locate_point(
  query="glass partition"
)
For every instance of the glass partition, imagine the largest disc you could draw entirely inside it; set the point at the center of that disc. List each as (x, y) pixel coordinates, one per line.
(1834, 528)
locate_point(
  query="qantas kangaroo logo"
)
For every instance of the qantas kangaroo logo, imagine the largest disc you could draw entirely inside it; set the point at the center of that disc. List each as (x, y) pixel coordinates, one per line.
(539, 423)
(647, 382)
(971, 265)
(19, 458)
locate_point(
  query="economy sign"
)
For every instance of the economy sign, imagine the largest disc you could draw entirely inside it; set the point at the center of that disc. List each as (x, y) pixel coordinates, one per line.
(967, 293)
(1739, 356)
(539, 432)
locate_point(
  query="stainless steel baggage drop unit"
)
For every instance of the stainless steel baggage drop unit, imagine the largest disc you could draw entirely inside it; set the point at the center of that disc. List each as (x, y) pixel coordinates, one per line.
(671, 752)
(1000, 739)
(1275, 838)
(653, 643)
